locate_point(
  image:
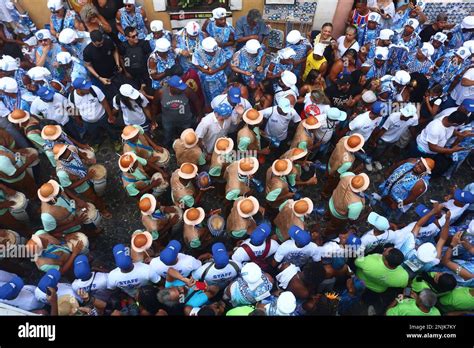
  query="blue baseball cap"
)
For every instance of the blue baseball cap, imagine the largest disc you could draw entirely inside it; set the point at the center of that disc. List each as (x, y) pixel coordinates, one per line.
(338, 262)
(81, 83)
(352, 239)
(170, 253)
(284, 104)
(421, 210)
(260, 233)
(464, 197)
(223, 109)
(219, 253)
(177, 82)
(82, 269)
(234, 95)
(468, 104)
(11, 289)
(301, 237)
(122, 256)
(45, 93)
(49, 280)
(378, 107)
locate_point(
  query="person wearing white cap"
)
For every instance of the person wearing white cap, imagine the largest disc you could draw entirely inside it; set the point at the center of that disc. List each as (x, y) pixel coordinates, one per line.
(218, 28)
(279, 118)
(423, 258)
(301, 46)
(249, 62)
(385, 8)
(369, 32)
(438, 41)
(315, 60)
(378, 66)
(285, 305)
(462, 32)
(285, 88)
(211, 61)
(406, 40)
(61, 18)
(448, 67)
(282, 62)
(46, 50)
(74, 41)
(185, 43)
(70, 68)
(381, 234)
(134, 107)
(131, 15)
(162, 64)
(157, 32)
(420, 61)
(11, 97)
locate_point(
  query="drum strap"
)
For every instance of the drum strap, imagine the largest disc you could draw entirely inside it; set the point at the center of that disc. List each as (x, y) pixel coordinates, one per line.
(127, 179)
(145, 147)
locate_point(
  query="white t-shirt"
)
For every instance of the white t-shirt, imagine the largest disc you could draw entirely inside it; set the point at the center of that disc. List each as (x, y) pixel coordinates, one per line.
(401, 236)
(241, 256)
(185, 265)
(370, 241)
(63, 289)
(88, 106)
(445, 112)
(220, 277)
(209, 130)
(25, 300)
(456, 212)
(134, 116)
(461, 92)
(342, 49)
(222, 99)
(54, 110)
(434, 133)
(277, 125)
(289, 252)
(363, 125)
(97, 282)
(131, 281)
(396, 127)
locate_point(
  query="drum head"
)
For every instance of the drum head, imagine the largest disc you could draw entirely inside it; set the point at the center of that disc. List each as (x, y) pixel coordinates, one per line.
(100, 171)
(19, 199)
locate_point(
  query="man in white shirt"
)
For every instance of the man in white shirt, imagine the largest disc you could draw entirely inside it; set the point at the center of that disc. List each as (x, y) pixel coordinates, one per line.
(171, 257)
(432, 140)
(16, 294)
(233, 98)
(94, 283)
(365, 123)
(128, 276)
(463, 90)
(53, 106)
(259, 245)
(214, 125)
(379, 236)
(298, 250)
(279, 118)
(90, 104)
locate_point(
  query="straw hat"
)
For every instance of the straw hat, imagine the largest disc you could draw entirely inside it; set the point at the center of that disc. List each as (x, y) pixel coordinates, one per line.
(354, 142)
(359, 183)
(247, 166)
(129, 132)
(252, 117)
(187, 170)
(59, 150)
(302, 207)
(51, 132)
(18, 116)
(311, 122)
(223, 146)
(48, 191)
(126, 161)
(428, 163)
(141, 241)
(189, 138)
(147, 204)
(247, 207)
(298, 153)
(282, 167)
(67, 305)
(194, 216)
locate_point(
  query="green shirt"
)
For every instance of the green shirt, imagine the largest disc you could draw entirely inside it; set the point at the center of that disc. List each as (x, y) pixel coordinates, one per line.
(65, 181)
(131, 187)
(460, 299)
(49, 221)
(354, 210)
(408, 307)
(377, 277)
(419, 284)
(240, 311)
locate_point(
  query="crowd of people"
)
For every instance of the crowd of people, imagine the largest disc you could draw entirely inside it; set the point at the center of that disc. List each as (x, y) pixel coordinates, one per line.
(212, 113)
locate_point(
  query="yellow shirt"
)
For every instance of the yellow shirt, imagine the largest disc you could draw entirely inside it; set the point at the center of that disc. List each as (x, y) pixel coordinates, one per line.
(311, 64)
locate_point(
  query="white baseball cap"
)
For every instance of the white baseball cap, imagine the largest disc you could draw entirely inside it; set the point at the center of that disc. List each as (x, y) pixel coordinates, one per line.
(426, 252)
(67, 35)
(293, 37)
(288, 78)
(8, 63)
(469, 45)
(378, 221)
(408, 110)
(369, 97)
(38, 73)
(427, 49)
(413, 22)
(286, 53)
(286, 303)
(381, 53)
(319, 49)
(162, 45)
(156, 25)
(252, 46)
(463, 52)
(129, 2)
(192, 28)
(252, 274)
(468, 22)
(8, 85)
(128, 91)
(209, 44)
(441, 37)
(64, 58)
(219, 13)
(43, 34)
(386, 34)
(374, 17)
(402, 77)
(55, 4)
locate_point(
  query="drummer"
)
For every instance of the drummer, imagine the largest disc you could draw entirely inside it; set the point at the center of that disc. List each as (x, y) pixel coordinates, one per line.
(141, 243)
(7, 220)
(249, 139)
(305, 134)
(278, 181)
(291, 213)
(187, 149)
(183, 191)
(134, 178)
(240, 222)
(73, 175)
(238, 176)
(151, 156)
(221, 156)
(29, 125)
(303, 172)
(195, 234)
(158, 219)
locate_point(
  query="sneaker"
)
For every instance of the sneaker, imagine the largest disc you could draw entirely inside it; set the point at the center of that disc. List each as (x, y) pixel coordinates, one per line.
(378, 165)
(369, 167)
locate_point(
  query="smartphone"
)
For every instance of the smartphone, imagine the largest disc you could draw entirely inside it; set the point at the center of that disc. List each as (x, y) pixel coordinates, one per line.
(407, 292)
(201, 286)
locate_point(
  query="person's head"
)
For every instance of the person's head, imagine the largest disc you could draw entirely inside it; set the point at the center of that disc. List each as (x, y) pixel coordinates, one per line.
(44, 37)
(441, 20)
(312, 76)
(361, 6)
(170, 297)
(129, 5)
(424, 165)
(436, 91)
(457, 118)
(393, 257)
(326, 31)
(56, 7)
(219, 16)
(132, 35)
(156, 28)
(253, 17)
(381, 56)
(445, 282)
(467, 106)
(286, 55)
(351, 33)
(210, 46)
(147, 299)
(410, 27)
(358, 78)
(82, 86)
(192, 29)
(467, 24)
(426, 299)
(97, 38)
(89, 13)
(214, 309)
(344, 83)
(355, 286)
(350, 55)
(385, 37)
(313, 273)
(122, 257)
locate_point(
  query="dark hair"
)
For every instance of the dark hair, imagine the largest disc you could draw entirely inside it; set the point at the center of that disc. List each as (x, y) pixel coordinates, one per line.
(257, 313)
(128, 102)
(313, 274)
(458, 118)
(96, 36)
(254, 14)
(351, 52)
(312, 76)
(446, 282)
(129, 30)
(442, 17)
(206, 311)
(437, 88)
(394, 257)
(148, 300)
(267, 86)
(327, 24)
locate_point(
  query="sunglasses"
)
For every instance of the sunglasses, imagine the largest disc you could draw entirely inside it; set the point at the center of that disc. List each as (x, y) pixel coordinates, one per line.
(133, 36)
(129, 5)
(43, 40)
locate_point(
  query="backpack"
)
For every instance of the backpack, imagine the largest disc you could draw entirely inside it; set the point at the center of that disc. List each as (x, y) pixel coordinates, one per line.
(204, 274)
(261, 260)
(72, 110)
